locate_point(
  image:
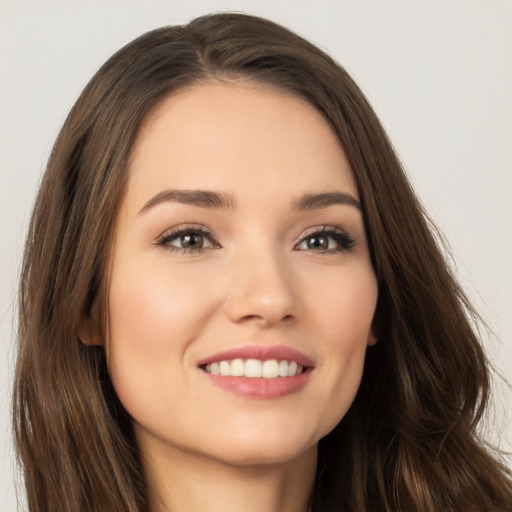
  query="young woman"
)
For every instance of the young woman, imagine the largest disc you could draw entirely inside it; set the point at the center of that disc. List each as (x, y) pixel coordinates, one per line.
(231, 298)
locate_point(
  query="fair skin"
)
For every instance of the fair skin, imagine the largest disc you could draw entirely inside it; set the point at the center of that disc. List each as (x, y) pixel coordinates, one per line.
(255, 274)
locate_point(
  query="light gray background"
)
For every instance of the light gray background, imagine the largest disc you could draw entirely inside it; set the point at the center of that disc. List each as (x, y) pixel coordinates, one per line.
(438, 72)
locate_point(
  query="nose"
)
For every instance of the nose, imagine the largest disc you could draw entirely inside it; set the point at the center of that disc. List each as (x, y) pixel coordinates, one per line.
(263, 289)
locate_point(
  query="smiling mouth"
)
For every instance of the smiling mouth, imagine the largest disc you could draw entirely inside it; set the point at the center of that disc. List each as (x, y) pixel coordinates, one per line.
(255, 368)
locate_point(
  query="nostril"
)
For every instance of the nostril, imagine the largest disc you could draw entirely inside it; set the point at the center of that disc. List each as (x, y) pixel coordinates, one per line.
(266, 319)
(250, 317)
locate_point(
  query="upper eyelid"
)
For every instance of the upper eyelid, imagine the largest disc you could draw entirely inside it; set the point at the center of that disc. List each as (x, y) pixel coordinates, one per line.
(325, 228)
(177, 230)
(322, 228)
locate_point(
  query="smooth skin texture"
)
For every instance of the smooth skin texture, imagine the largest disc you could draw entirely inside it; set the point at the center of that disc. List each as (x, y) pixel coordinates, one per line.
(254, 271)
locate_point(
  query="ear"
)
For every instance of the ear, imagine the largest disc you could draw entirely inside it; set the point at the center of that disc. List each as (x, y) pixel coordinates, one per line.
(89, 335)
(89, 330)
(372, 339)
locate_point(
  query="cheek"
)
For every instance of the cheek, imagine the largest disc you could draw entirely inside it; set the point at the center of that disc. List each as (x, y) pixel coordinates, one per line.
(345, 318)
(345, 305)
(149, 307)
(153, 318)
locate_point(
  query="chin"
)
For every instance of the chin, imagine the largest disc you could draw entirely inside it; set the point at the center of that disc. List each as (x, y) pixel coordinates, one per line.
(268, 449)
(249, 456)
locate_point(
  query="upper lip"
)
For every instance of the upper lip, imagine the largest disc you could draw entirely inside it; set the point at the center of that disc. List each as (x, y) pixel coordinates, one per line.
(261, 352)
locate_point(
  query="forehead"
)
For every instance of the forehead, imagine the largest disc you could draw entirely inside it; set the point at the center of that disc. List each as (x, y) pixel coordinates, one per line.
(241, 138)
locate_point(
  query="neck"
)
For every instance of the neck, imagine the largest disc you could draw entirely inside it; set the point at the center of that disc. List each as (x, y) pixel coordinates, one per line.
(185, 482)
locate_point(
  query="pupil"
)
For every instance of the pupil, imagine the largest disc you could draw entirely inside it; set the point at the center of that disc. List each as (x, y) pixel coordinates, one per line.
(192, 240)
(318, 242)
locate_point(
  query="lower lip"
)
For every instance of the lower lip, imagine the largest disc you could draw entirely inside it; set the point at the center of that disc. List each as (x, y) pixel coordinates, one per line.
(262, 389)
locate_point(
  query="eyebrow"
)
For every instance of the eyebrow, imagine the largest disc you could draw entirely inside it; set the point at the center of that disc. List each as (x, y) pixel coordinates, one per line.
(316, 201)
(202, 198)
(217, 200)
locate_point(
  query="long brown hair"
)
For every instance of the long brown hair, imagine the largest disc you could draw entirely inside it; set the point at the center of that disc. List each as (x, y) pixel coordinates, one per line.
(409, 442)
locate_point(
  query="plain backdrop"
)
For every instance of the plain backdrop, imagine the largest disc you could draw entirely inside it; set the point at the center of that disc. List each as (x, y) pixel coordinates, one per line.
(438, 73)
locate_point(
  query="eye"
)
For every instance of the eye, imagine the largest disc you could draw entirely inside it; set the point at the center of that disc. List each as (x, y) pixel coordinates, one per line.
(188, 240)
(326, 239)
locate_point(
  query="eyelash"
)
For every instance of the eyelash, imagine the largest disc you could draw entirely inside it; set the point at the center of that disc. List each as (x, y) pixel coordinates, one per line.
(342, 238)
(169, 236)
(344, 241)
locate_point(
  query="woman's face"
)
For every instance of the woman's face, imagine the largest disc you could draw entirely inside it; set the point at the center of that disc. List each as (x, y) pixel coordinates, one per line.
(240, 249)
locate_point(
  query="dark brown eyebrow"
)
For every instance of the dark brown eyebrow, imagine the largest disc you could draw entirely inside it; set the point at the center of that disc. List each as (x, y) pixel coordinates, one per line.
(202, 198)
(209, 199)
(315, 201)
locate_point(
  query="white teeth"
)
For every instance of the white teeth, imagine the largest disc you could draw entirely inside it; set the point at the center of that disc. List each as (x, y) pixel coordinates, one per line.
(292, 369)
(255, 369)
(270, 369)
(283, 369)
(225, 368)
(237, 368)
